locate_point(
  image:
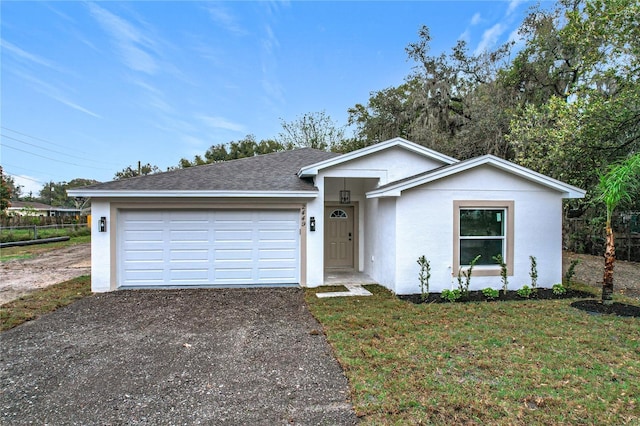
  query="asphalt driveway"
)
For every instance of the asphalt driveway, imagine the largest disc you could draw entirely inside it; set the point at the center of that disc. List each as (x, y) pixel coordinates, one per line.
(174, 357)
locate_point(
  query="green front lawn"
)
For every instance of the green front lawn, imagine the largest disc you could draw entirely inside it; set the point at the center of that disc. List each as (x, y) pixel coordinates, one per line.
(528, 362)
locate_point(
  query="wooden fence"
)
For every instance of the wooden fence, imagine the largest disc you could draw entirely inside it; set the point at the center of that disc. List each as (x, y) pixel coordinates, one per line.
(13, 221)
(586, 236)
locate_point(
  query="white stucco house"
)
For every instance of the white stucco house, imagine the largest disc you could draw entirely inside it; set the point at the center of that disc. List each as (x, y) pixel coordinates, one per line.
(287, 218)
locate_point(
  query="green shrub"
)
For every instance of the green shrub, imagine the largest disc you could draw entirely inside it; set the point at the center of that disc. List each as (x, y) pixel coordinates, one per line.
(533, 273)
(490, 293)
(423, 276)
(525, 291)
(464, 288)
(559, 289)
(503, 272)
(571, 271)
(451, 295)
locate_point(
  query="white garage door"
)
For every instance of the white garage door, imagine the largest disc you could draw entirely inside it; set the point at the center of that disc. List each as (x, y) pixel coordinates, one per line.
(208, 248)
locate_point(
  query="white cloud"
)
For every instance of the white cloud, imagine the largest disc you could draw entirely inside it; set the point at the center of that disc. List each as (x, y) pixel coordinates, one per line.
(270, 83)
(223, 17)
(516, 39)
(489, 38)
(466, 36)
(29, 57)
(193, 141)
(221, 123)
(29, 184)
(513, 5)
(56, 94)
(133, 44)
(475, 19)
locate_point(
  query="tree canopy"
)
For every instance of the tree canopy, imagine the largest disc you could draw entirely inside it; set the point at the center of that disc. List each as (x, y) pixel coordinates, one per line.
(564, 100)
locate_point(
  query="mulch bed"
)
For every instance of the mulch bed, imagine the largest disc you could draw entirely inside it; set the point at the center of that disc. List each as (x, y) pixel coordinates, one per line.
(477, 296)
(591, 306)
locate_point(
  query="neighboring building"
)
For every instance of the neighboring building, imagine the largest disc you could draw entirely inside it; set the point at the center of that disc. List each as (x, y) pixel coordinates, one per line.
(31, 208)
(287, 218)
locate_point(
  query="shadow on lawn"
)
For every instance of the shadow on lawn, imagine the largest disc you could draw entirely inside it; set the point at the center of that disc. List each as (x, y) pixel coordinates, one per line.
(596, 307)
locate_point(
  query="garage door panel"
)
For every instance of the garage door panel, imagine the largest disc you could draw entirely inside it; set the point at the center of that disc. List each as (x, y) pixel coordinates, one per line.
(142, 236)
(144, 255)
(189, 236)
(233, 275)
(276, 274)
(281, 255)
(208, 248)
(194, 255)
(189, 275)
(278, 235)
(222, 255)
(233, 236)
(146, 274)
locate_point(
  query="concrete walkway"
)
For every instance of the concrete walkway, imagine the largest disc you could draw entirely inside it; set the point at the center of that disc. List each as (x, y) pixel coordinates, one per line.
(348, 278)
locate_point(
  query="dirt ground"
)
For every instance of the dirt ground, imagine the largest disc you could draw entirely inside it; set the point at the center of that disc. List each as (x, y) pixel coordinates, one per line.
(20, 276)
(626, 275)
(174, 357)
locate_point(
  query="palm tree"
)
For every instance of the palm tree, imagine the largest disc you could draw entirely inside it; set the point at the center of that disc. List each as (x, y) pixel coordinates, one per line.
(615, 186)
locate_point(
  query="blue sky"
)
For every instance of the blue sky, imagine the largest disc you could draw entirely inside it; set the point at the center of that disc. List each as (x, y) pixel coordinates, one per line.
(89, 88)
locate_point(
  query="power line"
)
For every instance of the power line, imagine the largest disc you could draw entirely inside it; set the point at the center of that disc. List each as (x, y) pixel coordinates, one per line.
(24, 177)
(52, 143)
(52, 159)
(37, 138)
(50, 150)
(13, 167)
(21, 168)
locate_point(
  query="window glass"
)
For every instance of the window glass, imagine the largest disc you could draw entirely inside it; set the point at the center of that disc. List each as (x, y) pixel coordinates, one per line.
(481, 222)
(469, 249)
(339, 213)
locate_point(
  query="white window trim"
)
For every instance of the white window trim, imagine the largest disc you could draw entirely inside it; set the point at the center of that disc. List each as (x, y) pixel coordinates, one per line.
(484, 270)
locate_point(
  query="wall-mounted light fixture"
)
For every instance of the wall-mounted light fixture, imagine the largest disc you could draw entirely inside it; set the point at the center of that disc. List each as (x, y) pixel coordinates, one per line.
(345, 194)
(102, 225)
(312, 224)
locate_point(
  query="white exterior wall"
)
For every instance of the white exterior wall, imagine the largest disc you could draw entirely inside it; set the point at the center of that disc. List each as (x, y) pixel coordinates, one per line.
(425, 220)
(315, 239)
(376, 221)
(388, 165)
(386, 242)
(101, 247)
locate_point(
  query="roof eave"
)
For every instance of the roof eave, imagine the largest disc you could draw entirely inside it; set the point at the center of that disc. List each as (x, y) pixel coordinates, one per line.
(313, 169)
(568, 191)
(191, 194)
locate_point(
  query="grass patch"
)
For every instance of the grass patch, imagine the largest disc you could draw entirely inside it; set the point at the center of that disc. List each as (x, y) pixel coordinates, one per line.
(25, 252)
(43, 301)
(520, 362)
(10, 235)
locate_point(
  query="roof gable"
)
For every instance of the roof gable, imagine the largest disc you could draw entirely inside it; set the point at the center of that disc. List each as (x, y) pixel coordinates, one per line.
(394, 189)
(313, 169)
(251, 176)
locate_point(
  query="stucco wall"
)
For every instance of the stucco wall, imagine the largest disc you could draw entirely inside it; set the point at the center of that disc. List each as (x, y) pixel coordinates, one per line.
(388, 165)
(380, 251)
(101, 247)
(425, 219)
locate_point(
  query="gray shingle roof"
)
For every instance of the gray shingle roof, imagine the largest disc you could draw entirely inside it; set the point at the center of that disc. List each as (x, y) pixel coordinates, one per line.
(268, 172)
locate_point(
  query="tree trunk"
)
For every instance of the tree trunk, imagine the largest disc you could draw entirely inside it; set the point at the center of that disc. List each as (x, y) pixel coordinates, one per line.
(609, 258)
